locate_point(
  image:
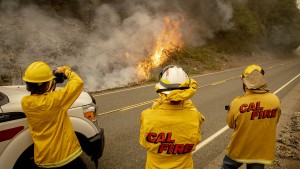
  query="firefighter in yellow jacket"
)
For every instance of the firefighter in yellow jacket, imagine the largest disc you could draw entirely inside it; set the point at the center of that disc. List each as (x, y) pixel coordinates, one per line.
(254, 118)
(55, 142)
(170, 129)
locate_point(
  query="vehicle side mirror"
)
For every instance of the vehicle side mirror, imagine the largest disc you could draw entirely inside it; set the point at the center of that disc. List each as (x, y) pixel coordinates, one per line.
(3, 99)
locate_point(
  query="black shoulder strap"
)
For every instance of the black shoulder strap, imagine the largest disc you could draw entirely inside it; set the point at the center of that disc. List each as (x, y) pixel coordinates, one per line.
(170, 89)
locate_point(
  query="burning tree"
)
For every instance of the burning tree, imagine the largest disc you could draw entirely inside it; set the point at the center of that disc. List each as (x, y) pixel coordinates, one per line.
(169, 39)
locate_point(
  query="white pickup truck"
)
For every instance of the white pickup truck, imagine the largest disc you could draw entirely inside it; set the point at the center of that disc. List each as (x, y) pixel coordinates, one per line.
(16, 145)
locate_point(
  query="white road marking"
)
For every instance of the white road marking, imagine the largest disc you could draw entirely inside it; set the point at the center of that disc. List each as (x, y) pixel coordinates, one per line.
(278, 90)
(212, 137)
(151, 101)
(123, 90)
(209, 139)
(155, 83)
(152, 84)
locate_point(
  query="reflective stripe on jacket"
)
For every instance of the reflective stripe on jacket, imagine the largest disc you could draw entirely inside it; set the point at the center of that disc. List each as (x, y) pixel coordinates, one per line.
(170, 132)
(55, 142)
(254, 119)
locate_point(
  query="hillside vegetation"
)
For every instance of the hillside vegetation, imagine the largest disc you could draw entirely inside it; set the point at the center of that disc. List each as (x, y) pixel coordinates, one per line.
(261, 27)
(258, 27)
(271, 25)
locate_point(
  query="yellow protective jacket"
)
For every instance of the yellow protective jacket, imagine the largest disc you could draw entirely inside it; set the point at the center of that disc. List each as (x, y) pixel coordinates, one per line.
(170, 132)
(254, 119)
(55, 142)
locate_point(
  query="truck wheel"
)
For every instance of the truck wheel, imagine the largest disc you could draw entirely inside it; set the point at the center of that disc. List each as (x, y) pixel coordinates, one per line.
(26, 160)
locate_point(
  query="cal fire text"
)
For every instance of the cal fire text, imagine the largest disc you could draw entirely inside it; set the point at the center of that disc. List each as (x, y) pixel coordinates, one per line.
(167, 144)
(257, 111)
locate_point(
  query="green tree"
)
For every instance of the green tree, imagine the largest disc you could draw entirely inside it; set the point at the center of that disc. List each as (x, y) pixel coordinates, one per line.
(280, 23)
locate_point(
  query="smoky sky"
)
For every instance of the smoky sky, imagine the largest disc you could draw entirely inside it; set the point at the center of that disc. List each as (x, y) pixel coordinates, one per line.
(94, 40)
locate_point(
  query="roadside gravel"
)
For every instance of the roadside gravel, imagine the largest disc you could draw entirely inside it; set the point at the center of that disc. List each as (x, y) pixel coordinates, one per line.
(288, 132)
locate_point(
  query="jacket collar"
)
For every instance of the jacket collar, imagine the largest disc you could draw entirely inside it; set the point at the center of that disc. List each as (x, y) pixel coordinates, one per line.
(171, 106)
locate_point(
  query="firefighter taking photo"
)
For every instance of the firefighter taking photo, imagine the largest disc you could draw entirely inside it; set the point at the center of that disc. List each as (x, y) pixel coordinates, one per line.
(170, 129)
(55, 142)
(253, 118)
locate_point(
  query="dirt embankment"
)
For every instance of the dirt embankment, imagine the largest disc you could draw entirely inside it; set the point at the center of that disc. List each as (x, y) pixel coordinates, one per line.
(288, 132)
(288, 145)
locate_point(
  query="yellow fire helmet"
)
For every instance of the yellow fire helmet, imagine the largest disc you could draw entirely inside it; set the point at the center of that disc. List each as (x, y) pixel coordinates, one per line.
(38, 72)
(172, 78)
(250, 69)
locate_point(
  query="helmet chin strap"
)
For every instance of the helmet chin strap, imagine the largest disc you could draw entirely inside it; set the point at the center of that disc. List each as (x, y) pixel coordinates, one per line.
(51, 86)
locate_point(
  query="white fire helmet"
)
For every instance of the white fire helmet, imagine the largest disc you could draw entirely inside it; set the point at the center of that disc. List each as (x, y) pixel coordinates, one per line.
(170, 78)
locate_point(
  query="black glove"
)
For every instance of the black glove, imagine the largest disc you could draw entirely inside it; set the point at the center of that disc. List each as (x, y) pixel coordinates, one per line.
(60, 77)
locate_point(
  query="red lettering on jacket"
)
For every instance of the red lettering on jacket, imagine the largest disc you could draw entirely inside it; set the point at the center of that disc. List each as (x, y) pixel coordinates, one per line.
(257, 111)
(170, 150)
(175, 148)
(162, 147)
(254, 114)
(168, 139)
(167, 144)
(243, 108)
(261, 113)
(251, 107)
(267, 113)
(274, 111)
(264, 114)
(150, 138)
(160, 138)
(153, 138)
(258, 106)
(188, 148)
(178, 149)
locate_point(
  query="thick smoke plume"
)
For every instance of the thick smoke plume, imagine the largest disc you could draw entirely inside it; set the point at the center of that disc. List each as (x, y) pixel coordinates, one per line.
(104, 41)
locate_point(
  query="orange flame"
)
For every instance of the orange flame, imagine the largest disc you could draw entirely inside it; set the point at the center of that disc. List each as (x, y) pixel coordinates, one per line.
(169, 39)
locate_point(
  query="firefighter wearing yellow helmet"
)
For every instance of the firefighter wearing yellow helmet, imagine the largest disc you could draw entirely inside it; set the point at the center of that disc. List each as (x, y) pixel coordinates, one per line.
(55, 142)
(170, 129)
(254, 118)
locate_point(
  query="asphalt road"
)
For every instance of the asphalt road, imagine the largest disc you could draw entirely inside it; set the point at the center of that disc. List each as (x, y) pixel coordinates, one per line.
(120, 112)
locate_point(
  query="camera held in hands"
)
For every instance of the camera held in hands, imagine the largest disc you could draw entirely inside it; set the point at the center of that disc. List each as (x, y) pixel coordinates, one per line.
(60, 77)
(227, 107)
